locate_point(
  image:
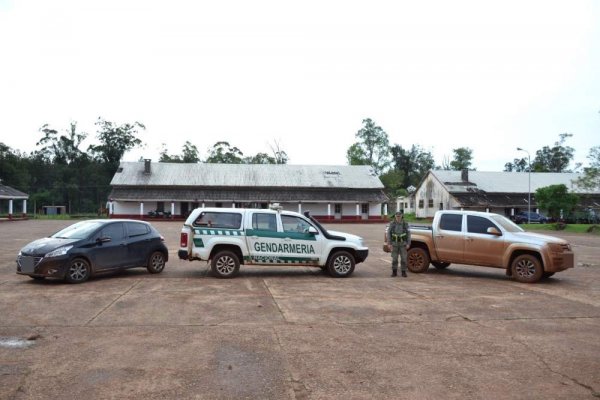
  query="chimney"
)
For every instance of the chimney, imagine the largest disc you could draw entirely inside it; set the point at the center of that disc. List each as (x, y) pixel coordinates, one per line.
(147, 165)
(464, 175)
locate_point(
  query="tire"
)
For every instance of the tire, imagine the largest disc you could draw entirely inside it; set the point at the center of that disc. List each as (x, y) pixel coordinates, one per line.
(156, 263)
(440, 265)
(341, 264)
(527, 268)
(418, 260)
(225, 264)
(548, 275)
(79, 271)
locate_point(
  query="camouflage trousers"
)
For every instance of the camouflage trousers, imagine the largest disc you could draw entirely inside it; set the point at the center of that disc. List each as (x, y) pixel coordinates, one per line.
(399, 248)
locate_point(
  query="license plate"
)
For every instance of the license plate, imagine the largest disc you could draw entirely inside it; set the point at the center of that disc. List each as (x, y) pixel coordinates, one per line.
(27, 264)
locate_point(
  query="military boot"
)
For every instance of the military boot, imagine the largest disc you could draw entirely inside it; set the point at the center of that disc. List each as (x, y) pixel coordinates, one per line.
(404, 274)
(394, 272)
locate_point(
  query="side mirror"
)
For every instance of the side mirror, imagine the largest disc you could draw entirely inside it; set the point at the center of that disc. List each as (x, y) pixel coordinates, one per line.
(103, 239)
(493, 231)
(312, 230)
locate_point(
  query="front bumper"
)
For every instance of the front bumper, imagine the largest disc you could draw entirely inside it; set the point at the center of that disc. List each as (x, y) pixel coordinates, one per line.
(560, 261)
(361, 255)
(55, 267)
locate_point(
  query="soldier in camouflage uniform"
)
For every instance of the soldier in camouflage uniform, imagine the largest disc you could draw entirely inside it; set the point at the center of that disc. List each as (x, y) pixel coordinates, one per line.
(398, 236)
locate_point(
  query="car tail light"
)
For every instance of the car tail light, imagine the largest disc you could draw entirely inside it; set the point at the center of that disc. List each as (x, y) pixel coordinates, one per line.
(184, 240)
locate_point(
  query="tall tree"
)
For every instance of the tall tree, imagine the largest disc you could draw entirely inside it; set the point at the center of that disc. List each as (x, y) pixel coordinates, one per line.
(591, 174)
(556, 198)
(279, 155)
(463, 157)
(372, 147)
(554, 159)
(189, 153)
(62, 149)
(518, 165)
(165, 157)
(115, 140)
(413, 163)
(224, 153)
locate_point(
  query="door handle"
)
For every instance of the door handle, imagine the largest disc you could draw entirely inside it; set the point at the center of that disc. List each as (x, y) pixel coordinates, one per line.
(287, 239)
(439, 236)
(470, 239)
(254, 237)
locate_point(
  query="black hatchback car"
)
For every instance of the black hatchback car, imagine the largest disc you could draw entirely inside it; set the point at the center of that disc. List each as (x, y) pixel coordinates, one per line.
(88, 247)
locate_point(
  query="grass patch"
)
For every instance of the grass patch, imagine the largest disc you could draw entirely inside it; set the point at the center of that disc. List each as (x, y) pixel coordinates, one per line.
(572, 228)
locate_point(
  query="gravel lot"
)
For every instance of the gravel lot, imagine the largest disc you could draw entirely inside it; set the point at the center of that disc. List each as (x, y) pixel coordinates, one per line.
(295, 333)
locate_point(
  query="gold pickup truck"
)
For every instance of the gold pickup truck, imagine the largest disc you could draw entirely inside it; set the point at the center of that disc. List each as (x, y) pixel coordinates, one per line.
(489, 240)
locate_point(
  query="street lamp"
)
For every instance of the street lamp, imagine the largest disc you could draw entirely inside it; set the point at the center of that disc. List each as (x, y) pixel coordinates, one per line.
(529, 189)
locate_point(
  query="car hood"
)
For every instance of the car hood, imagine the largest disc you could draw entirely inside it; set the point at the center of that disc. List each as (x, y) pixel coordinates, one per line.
(43, 246)
(529, 237)
(349, 237)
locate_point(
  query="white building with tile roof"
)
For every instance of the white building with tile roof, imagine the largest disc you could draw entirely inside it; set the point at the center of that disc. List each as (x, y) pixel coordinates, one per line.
(504, 193)
(329, 192)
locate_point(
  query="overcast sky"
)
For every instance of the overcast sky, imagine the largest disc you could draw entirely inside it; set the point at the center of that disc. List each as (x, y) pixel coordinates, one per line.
(441, 74)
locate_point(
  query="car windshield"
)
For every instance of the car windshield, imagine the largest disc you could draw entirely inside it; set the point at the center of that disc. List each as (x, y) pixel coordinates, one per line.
(506, 223)
(80, 230)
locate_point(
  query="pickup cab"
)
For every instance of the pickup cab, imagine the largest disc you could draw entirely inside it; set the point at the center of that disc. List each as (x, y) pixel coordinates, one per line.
(230, 237)
(488, 240)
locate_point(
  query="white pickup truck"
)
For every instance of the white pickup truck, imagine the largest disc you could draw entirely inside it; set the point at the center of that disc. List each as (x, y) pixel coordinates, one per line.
(489, 240)
(229, 237)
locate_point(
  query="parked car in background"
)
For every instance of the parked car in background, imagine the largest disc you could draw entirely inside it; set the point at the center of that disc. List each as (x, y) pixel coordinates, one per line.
(534, 218)
(89, 247)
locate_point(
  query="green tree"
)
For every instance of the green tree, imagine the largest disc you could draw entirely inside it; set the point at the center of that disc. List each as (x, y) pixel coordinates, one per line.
(554, 159)
(518, 165)
(372, 147)
(279, 155)
(463, 157)
(591, 174)
(555, 198)
(224, 153)
(115, 140)
(260, 158)
(392, 181)
(164, 157)
(62, 149)
(413, 163)
(189, 153)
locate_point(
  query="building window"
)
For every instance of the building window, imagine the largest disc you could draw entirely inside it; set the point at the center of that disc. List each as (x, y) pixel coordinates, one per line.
(219, 205)
(160, 206)
(365, 208)
(338, 208)
(421, 203)
(441, 206)
(430, 203)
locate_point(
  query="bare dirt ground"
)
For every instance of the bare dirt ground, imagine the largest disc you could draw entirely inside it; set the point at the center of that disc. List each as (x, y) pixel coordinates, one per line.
(295, 333)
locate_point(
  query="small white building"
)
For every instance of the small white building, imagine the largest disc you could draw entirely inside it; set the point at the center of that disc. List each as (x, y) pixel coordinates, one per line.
(504, 193)
(8, 196)
(329, 192)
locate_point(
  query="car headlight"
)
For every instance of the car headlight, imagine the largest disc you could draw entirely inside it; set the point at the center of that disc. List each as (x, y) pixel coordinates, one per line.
(61, 251)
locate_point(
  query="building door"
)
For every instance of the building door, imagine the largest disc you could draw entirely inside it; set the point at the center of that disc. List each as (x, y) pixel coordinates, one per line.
(364, 210)
(337, 211)
(184, 209)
